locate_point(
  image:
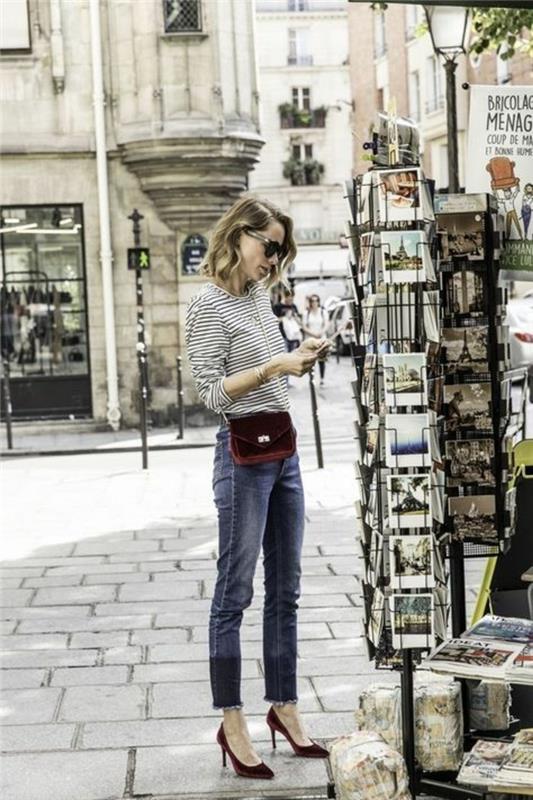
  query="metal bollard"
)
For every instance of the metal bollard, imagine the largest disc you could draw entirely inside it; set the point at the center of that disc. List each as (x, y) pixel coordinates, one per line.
(181, 409)
(7, 404)
(316, 422)
(143, 387)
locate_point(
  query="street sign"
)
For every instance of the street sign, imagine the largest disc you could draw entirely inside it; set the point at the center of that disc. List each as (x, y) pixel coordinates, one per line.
(192, 253)
(138, 258)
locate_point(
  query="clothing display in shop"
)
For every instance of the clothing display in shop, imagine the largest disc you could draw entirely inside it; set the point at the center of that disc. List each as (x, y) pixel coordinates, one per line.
(365, 767)
(438, 721)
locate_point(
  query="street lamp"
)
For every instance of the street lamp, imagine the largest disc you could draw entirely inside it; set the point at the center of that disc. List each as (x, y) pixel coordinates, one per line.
(447, 28)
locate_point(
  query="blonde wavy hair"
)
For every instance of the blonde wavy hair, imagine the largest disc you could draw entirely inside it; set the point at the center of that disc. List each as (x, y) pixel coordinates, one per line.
(249, 212)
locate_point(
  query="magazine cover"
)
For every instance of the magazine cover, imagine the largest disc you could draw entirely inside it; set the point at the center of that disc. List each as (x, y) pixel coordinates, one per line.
(512, 629)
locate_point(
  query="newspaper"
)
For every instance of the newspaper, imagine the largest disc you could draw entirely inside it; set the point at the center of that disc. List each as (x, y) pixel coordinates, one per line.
(481, 765)
(366, 768)
(500, 764)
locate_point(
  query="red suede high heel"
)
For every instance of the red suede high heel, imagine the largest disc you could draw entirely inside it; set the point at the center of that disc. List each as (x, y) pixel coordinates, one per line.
(260, 771)
(306, 751)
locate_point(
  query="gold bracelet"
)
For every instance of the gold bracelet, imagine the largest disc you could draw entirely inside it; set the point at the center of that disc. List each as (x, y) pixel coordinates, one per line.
(260, 374)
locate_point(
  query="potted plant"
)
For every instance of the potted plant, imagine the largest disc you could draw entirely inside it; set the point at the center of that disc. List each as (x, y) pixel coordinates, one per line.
(286, 113)
(312, 170)
(294, 170)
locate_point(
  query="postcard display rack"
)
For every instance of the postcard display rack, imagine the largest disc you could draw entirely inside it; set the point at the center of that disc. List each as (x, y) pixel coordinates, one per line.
(430, 359)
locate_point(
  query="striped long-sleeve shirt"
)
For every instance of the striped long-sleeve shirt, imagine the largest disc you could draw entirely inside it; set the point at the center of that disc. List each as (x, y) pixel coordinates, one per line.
(224, 336)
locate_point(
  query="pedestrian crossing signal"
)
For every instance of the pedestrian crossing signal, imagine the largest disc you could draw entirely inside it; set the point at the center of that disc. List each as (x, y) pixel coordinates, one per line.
(138, 258)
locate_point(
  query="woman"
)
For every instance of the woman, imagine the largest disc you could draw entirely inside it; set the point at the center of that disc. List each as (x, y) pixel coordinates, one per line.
(238, 360)
(315, 323)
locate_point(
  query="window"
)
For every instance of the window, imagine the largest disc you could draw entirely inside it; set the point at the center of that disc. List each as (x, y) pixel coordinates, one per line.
(414, 95)
(15, 26)
(434, 97)
(380, 41)
(182, 16)
(301, 97)
(380, 101)
(299, 47)
(301, 151)
(298, 5)
(411, 21)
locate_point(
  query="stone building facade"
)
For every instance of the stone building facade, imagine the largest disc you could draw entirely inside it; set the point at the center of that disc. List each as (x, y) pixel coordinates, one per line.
(398, 63)
(302, 56)
(180, 107)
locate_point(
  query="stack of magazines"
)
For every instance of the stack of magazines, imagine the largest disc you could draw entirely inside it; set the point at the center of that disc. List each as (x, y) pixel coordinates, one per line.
(494, 649)
(500, 764)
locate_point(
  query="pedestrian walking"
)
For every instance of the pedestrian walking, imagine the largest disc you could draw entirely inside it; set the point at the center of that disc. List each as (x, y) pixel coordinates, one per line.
(315, 323)
(290, 329)
(239, 363)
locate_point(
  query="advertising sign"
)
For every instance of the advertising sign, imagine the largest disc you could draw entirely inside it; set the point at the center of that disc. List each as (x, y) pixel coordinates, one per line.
(500, 161)
(193, 251)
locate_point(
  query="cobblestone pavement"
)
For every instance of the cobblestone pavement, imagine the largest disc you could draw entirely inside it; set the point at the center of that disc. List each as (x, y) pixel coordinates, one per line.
(106, 589)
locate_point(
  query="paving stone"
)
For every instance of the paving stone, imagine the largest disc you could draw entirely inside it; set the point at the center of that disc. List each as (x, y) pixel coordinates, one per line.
(22, 678)
(11, 583)
(48, 658)
(343, 695)
(109, 639)
(21, 706)
(8, 626)
(347, 549)
(92, 547)
(99, 703)
(165, 636)
(72, 561)
(333, 583)
(47, 613)
(199, 617)
(54, 550)
(344, 566)
(158, 567)
(94, 569)
(174, 771)
(52, 641)
(116, 578)
(96, 624)
(175, 652)
(52, 580)
(329, 615)
(185, 671)
(155, 534)
(11, 569)
(193, 698)
(88, 676)
(65, 776)
(341, 665)
(15, 597)
(36, 737)
(144, 607)
(332, 648)
(72, 596)
(169, 590)
(346, 630)
(122, 655)
(143, 558)
(325, 600)
(209, 563)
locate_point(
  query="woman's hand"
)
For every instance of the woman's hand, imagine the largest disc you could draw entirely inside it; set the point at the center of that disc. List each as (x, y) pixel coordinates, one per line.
(296, 363)
(317, 347)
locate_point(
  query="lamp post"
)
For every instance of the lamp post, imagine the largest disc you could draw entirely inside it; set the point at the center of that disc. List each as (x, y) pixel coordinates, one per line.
(447, 28)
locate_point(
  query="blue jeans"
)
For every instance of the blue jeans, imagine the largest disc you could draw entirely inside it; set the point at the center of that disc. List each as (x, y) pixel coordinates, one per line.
(258, 506)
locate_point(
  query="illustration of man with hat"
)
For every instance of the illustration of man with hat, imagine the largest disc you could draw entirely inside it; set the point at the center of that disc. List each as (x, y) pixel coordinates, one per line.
(505, 186)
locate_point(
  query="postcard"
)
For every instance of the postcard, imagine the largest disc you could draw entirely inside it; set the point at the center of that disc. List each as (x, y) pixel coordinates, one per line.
(369, 370)
(350, 232)
(468, 407)
(399, 195)
(350, 197)
(470, 461)
(368, 308)
(405, 379)
(409, 501)
(473, 517)
(441, 608)
(465, 293)
(361, 198)
(431, 301)
(404, 256)
(407, 440)
(461, 236)
(366, 257)
(375, 558)
(412, 620)
(377, 616)
(464, 351)
(372, 439)
(411, 562)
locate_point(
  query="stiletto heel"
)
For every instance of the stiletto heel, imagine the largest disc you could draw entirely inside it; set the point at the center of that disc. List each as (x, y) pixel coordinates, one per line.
(259, 771)
(305, 751)
(273, 734)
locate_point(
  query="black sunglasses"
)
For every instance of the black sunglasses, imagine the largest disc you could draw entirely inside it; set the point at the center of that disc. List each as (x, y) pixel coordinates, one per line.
(272, 248)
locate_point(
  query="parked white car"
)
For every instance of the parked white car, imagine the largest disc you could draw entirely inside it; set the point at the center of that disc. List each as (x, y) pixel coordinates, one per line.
(520, 321)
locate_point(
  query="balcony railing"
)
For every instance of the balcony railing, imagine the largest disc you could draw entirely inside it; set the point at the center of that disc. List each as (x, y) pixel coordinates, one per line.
(300, 60)
(293, 117)
(292, 6)
(303, 173)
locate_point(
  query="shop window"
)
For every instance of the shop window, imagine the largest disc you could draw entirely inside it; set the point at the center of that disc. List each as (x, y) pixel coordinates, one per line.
(42, 294)
(182, 16)
(434, 95)
(15, 26)
(414, 95)
(380, 39)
